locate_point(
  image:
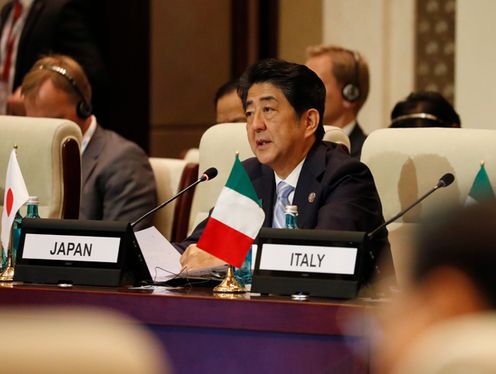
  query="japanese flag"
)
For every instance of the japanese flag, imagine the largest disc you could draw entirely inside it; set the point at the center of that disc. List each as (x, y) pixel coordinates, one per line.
(15, 195)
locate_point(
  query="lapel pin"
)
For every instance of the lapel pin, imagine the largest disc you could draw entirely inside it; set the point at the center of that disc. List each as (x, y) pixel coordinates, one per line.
(311, 197)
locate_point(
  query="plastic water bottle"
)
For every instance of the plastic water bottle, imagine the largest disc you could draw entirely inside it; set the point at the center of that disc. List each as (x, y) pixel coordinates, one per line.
(291, 213)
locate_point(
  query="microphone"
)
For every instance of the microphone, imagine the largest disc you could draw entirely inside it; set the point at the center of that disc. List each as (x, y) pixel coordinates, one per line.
(207, 175)
(445, 181)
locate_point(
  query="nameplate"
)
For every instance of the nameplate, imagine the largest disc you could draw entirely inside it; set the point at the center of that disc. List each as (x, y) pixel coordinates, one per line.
(308, 259)
(71, 248)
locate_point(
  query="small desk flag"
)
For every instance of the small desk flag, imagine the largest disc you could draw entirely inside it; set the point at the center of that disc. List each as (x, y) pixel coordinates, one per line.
(15, 195)
(235, 220)
(481, 188)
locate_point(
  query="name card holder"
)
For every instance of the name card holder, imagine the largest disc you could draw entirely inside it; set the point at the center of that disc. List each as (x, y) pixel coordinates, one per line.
(320, 263)
(97, 253)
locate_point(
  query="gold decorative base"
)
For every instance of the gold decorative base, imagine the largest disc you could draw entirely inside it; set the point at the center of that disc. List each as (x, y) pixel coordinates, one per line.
(225, 296)
(229, 284)
(7, 275)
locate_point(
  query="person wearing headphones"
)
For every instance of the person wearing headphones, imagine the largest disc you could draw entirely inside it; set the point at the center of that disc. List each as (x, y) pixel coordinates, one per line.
(424, 109)
(117, 180)
(346, 78)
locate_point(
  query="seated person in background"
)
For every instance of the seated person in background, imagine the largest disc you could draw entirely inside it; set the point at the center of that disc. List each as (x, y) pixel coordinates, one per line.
(117, 179)
(30, 29)
(424, 109)
(284, 104)
(452, 276)
(346, 78)
(228, 106)
(228, 109)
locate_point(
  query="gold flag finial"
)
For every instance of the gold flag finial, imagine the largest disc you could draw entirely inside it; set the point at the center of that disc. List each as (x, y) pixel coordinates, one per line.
(482, 163)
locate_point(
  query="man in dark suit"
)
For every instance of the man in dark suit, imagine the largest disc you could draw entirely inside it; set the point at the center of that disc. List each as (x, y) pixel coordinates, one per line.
(284, 104)
(56, 26)
(345, 74)
(117, 180)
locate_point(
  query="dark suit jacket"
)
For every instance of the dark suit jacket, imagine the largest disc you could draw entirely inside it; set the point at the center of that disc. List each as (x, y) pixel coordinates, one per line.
(59, 26)
(117, 180)
(357, 137)
(345, 197)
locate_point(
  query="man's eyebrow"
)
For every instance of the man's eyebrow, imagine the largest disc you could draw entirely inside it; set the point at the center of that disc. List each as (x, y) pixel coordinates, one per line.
(263, 98)
(268, 98)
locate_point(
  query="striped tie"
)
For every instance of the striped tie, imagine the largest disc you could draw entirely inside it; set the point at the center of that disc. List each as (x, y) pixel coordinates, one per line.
(283, 191)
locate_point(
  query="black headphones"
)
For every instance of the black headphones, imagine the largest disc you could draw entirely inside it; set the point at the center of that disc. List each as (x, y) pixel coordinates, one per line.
(423, 116)
(351, 90)
(83, 108)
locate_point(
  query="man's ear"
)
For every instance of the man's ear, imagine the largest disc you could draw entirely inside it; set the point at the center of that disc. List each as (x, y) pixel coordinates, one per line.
(311, 120)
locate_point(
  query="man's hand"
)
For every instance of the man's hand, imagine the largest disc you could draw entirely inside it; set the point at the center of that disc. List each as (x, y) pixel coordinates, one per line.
(195, 258)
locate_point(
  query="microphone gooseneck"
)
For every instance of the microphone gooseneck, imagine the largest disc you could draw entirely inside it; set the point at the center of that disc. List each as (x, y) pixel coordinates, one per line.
(444, 181)
(209, 174)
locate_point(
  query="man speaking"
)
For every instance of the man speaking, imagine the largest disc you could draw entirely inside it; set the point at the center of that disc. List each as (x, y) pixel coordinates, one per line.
(284, 104)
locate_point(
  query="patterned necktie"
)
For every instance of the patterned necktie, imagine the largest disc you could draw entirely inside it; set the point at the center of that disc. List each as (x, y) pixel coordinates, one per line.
(283, 190)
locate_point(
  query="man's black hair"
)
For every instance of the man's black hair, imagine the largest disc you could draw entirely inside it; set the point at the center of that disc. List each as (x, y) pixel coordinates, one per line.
(301, 86)
(226, 88)
(428, 102)
(464, 239)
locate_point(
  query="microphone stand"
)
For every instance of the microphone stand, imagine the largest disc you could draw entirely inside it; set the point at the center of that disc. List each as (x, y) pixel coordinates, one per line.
(203, 178)
(372, 233)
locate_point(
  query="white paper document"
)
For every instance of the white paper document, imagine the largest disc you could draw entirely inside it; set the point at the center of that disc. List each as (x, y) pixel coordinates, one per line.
(162, 258)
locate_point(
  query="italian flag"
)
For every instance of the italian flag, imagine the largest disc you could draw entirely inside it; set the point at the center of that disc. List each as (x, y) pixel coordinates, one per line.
(235, 220)
(481, 189)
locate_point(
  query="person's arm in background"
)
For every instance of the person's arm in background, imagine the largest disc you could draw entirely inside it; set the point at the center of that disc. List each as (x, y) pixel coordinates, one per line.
(127, 185)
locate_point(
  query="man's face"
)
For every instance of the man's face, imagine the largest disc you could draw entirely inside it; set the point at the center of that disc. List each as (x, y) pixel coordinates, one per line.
(229, 108)
(277, 136)
(335, 105)
(51, 102)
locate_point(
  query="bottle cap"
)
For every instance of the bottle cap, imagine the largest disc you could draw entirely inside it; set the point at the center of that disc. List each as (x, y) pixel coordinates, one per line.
(291, 209)
(33, 200)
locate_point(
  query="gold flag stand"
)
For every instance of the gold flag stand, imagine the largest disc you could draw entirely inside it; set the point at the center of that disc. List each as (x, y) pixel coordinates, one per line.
(8, 274)
(229, 284)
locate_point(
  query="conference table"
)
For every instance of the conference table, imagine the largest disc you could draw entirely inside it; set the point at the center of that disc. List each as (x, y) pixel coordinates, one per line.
(204, 332)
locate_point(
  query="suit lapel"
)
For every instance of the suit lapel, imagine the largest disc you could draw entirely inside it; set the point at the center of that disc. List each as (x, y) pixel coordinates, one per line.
(266, 193)
(356, 134)
(33, 15)
(4, 16)
(308, 187)
(92, 152)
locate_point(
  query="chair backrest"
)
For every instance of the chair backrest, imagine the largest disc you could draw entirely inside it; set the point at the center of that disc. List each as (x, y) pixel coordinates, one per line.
(336, 135)
(406, 163)
(50, 161)
(171, 176)
(192, 155)
(218, 147)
